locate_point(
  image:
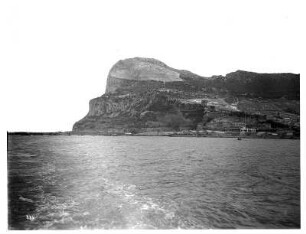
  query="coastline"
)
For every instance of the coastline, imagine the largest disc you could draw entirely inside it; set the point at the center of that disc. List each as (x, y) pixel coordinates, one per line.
(165, 134)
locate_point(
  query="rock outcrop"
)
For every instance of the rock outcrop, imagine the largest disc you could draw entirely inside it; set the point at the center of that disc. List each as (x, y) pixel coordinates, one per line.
(145, 94)
(139, 69)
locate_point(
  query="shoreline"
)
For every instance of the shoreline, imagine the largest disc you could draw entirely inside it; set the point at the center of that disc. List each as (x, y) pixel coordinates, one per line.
(148, 134)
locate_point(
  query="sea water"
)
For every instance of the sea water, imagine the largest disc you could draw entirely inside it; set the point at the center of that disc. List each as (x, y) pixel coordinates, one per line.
(131, 182)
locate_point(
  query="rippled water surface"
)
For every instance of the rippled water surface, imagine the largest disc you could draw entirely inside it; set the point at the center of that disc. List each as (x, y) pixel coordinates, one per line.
(73, 182)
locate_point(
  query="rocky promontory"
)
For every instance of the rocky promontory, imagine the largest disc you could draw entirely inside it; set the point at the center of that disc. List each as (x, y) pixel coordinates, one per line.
(144, 95)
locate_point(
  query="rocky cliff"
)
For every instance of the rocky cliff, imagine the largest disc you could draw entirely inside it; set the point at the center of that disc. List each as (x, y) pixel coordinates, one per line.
(145, 94)
(139, 69)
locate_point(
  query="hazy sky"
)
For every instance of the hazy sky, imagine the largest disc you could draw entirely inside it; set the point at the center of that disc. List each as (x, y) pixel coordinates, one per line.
(56, 54)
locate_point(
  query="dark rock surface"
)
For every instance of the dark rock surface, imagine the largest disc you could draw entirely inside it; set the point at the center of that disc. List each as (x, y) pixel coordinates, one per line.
(145, 95)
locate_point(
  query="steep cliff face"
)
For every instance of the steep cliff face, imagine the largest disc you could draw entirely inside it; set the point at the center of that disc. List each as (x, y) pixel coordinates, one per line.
(125, 113)
(145, 94)
(139, 69)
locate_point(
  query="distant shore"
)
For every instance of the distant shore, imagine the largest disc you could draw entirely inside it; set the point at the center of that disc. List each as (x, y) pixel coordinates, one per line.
(175, 134)
(39, 133)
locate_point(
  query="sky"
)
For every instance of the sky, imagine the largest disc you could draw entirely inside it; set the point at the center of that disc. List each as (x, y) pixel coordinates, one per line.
(56, 55)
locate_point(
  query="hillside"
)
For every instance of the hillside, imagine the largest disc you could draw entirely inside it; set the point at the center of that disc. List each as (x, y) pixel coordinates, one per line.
(145, 95)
